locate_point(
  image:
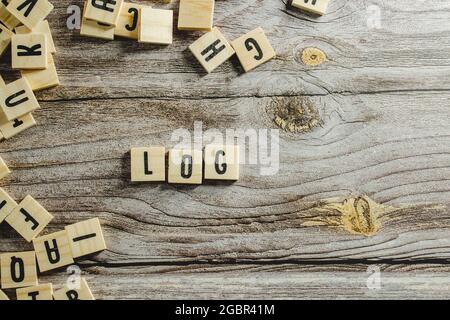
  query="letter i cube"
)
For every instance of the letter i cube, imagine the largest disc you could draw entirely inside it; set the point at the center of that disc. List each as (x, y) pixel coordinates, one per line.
(85, 237)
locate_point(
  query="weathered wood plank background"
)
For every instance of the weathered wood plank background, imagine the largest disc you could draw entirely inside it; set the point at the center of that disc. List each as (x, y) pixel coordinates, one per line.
(382, 99)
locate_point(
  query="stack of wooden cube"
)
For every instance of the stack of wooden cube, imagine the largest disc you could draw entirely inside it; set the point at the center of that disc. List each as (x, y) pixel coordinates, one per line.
(105, 19)
(19, 270)
(23, 25)
(212, 49)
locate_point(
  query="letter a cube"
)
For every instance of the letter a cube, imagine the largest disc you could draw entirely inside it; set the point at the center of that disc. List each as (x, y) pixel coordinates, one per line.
(53, 251)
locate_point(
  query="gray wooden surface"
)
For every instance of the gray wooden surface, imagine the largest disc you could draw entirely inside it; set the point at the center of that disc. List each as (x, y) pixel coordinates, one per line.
(382, 98)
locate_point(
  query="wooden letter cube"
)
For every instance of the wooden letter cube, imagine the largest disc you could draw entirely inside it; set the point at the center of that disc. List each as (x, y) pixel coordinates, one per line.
(103, 11)
(6, 17)
(196, 15)
(315, 6)
(17, 99)
(29, 51)
(40, 292)
(222, 162)
(253, 49)
(29, 218)
(5, 38)
(18, 270)
(42, 79)
(7, 204)
(185, 166)
(42, 27)
(128, 23)
(96, 29)
(156, 26)
(148, 164)
(29, 12)
(4, 171)
(53, 251)
(3, 296)
(11, 128)
(74, 292)
(85, 237)
(211, 50)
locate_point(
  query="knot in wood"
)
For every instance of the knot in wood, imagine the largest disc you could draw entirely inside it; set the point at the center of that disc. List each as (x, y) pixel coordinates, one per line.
(295, 114)
(313, 57)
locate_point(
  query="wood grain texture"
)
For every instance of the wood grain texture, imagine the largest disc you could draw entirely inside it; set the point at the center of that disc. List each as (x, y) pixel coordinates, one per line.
(382, 131)
(284, 281)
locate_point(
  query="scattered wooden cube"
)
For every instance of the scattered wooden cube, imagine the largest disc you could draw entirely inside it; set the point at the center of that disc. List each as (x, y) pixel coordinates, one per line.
(7, 204)
(29, 218)
(40, 292)
(128, 22)
(42, 27)
(211, 50)
(185, 166)
(315, 6)
(53, 251)
(253, 49)
(196, 15)
(148, 164)
(103, 11)
(85, 237)
(3, 296)
(73, 293)
(5, 38)
(30, 13)
(11, 128)
(42, 79)
(96, 29)
(18, 270)
(6, 17)
(222, 162)
(4, 171)
(17, 99)
(156, 26)
(29, 51)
